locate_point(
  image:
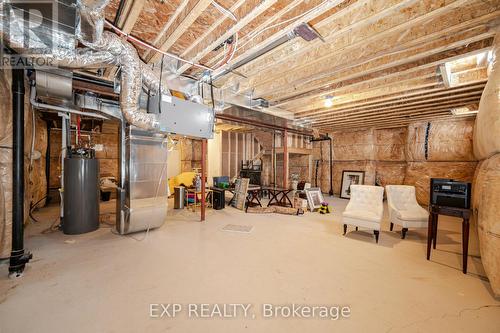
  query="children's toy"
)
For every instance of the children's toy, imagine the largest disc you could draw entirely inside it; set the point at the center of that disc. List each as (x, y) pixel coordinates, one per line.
(324, 209)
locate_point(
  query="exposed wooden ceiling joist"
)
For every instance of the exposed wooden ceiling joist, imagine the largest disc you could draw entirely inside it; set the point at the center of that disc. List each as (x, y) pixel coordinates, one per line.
(238, 26)
(354, 41)
(180, 29)
(381, 114)
(428, 95)
(167, 26)
(369, 88)
(380, 60)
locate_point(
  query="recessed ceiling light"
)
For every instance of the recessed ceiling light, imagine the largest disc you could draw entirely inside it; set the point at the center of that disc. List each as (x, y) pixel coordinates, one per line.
(328, 101)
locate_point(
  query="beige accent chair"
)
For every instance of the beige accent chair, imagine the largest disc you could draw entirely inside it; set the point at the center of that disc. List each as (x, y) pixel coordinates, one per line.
(365, 208)
(404, 209)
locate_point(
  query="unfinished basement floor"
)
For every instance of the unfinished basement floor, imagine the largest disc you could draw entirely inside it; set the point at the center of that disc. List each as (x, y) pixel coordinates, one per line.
(102, 282)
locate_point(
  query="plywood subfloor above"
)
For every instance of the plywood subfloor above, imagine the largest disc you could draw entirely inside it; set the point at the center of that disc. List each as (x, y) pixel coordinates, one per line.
(380, 62)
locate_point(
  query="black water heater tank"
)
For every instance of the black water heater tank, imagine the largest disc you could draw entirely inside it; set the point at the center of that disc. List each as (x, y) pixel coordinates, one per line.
(81, 192)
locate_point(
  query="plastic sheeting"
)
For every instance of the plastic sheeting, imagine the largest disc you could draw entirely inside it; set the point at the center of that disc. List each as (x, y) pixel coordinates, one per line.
(377, 145)
(351, 146)
(390, 173)
(389, 144)
(418, 174)
(487, 214)
(446, 141)
(487, 130)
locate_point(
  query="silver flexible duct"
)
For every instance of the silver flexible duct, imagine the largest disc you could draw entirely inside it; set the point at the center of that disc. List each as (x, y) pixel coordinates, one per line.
(90, 21)
(91, 34)
(103, 49)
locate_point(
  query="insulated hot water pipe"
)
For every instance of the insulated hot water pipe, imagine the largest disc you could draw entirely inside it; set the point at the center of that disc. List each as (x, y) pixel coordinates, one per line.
(18, 258)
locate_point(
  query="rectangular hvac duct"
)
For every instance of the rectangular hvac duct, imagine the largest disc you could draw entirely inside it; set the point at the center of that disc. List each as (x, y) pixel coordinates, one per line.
(143, 186)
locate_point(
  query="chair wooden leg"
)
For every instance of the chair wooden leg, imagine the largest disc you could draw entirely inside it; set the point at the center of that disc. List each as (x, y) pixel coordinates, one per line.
(392, 226)
(403, 233)
(376, 232)
(345, 228)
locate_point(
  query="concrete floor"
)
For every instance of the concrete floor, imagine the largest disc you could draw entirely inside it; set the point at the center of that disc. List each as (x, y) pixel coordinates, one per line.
(102, 282)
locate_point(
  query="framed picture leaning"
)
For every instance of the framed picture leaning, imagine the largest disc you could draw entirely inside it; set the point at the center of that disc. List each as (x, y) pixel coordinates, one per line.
(314, 198)
(350, 177)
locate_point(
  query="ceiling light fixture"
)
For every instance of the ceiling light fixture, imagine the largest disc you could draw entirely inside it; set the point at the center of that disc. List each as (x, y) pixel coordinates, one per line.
(328, 101)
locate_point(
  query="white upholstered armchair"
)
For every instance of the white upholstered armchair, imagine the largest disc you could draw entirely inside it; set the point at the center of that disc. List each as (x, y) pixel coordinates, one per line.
(404, 209)
(365, 208)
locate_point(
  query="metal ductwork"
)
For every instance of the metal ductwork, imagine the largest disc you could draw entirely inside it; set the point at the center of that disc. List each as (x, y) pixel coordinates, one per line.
(280, 41)
(103, 49)
(51, 84)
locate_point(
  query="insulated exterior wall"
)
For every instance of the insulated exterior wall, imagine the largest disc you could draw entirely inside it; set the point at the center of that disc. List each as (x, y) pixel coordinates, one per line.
(486, 191)
(486, 136)
(397, 155)
(446, 141)
(34, 177)
(390, 173)
(108, 156)
(380, 153)
(351, 145)
(390, 144)
(419, 174)
(487, 212)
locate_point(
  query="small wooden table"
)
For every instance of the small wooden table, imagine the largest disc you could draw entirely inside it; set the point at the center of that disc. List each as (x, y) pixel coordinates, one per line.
(274, 192)
(253, 194)
(464, 214)
(252, 198)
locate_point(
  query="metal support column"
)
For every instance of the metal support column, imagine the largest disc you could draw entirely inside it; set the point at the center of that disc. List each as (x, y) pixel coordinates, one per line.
(203, 176)
(47, 163)
(285, 159)
(331, 164)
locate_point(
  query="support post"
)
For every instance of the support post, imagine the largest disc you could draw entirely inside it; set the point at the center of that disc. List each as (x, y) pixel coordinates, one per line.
(18, 258)
(274, 158)
(47, 163)
(285, 159)
(331, 164)
(203, 176)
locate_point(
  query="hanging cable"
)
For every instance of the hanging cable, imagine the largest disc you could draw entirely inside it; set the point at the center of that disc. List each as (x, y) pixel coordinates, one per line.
(224, 11)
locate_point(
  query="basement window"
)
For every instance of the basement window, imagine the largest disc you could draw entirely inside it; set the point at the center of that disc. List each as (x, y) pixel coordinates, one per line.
(466, 70)
(463, 111)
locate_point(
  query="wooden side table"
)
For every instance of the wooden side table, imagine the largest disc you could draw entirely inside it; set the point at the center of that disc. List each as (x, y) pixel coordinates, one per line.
(464, 214)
